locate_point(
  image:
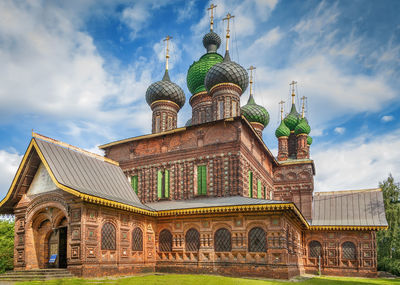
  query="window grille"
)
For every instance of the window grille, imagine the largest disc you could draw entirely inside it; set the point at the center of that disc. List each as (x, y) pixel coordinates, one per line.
(165, 241)
(222, 240)
(315, 249)
(349, 250)
(192, 240)
(108, 237)
(257, 240)
(137, 240)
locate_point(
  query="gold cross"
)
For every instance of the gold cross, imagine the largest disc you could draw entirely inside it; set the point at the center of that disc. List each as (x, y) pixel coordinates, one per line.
(303, 99)
(251, 68)
(228, 17)
(212, 7)
(167, 51)
(293, 83)
(281, 103)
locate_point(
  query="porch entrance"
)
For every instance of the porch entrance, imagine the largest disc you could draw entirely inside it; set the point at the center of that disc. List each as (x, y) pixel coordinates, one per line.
(57, 257)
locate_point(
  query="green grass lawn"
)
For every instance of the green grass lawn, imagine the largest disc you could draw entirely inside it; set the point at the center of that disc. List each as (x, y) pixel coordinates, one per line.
(177, 279)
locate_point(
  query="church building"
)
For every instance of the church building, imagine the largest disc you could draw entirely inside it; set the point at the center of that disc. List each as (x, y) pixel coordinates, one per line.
(207, 198)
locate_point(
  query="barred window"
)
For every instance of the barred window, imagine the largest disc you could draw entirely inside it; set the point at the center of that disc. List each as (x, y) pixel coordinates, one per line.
(257, 240)
(137, 240)
(165, 241)
(222, 240)
(108, 237)
(348, 250)
(192, 240)
(315, 249)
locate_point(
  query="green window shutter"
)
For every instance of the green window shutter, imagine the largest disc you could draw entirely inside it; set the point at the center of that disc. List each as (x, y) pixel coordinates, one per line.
(134, 182)
(204, 180)
(199, 172)
(250, 184)
(265, 192)
(159, 184)
(259, 194)
(166, 184)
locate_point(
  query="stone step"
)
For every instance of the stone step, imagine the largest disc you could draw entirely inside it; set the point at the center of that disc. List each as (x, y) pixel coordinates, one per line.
(35, 275)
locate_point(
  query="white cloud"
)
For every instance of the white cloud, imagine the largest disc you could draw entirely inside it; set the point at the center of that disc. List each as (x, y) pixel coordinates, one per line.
(135, 17)
(9, 162)
(387, 119)
(186, 12)
(340, 130)
(360, 163)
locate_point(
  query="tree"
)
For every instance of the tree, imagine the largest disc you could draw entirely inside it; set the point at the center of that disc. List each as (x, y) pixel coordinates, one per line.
(389, 241)
(6, 245)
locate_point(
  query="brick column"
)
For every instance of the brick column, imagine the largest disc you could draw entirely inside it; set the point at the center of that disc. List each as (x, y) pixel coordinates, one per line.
(302, 149)
(283, 151)
(165, 116)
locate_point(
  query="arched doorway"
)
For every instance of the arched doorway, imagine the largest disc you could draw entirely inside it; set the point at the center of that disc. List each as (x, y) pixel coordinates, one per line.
(49, 229)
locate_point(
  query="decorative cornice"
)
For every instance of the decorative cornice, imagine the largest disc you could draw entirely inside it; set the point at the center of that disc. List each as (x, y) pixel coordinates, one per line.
(195, 96)
(226, 85)
(167, 102)
(348, 228)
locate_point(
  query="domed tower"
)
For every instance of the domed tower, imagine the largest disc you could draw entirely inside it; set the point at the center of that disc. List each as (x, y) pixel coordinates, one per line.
(200, 100)
(282, 133)
(291, 121)
(226, 82)
(302, 130)
(165, 99)
(257, 115)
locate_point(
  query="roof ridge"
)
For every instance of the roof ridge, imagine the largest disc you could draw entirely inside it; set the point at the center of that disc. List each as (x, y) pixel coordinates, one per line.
(323, 193)
(74, 148)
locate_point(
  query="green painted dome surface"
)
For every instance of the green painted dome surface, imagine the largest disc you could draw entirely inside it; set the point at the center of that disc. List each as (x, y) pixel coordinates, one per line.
(198, 70)
(302, 127)
(282, 130)
(255, 113)
(292, 119)
(309, 140)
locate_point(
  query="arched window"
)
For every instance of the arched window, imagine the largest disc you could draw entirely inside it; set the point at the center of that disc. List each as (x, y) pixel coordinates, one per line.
(349, 250)
(222, 240)
(314, 249)
(137, 240)
(108, 237)
(192, 240)
(257, 241)
(165, 241)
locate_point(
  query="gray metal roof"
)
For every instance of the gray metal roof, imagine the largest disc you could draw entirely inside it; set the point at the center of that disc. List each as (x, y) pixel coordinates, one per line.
(349, 208)
(88, 174)
(205, 202)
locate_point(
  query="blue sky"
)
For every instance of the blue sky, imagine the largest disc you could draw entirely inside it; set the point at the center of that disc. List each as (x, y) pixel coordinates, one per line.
(78, 71)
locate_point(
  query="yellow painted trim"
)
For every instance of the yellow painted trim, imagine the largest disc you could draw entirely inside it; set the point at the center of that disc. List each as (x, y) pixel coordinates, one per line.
(352, 228)
(162, 101)
(257, 123)
(227, 84)
(346, 191)
(66, 145)
(20, 167)
(177, 130)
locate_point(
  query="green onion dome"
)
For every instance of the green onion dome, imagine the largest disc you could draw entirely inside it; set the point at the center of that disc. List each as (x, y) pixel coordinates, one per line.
(292, 119)
(188, 123)
(302, 127)
(198, 70)
(255, 113)
(165, 90)
(309, 140)
(282, 130)
(227, 72)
